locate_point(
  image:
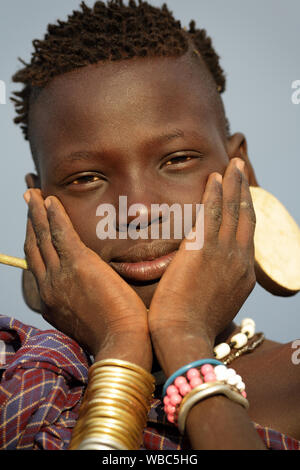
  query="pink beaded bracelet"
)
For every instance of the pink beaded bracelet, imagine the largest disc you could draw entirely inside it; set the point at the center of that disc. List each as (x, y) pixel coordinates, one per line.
(183, 385)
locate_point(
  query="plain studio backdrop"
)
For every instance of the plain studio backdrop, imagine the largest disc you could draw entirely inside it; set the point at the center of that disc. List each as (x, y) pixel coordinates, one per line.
(258, 43)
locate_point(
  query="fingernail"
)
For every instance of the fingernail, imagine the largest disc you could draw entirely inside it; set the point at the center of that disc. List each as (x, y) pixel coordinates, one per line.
(240, 164)
(47, 202)
(27, 196)
(218, 178)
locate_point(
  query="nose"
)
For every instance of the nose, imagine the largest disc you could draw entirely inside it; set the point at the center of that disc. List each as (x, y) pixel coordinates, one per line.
(137, 204)
(137, 215)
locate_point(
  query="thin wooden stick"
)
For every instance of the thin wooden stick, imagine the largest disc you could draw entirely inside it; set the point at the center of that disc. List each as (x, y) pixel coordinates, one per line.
(12, 261)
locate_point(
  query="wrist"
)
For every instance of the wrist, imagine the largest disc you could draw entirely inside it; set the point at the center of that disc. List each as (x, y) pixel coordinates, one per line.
(130, 346)
(175, 348)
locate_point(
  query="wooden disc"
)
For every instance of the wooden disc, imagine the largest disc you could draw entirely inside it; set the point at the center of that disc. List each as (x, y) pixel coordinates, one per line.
(277, 245)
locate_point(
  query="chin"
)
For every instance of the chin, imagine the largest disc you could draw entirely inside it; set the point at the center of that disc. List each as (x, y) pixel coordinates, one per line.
(145, 290)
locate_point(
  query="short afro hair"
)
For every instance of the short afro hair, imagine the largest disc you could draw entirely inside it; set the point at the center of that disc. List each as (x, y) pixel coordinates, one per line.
(109, 32)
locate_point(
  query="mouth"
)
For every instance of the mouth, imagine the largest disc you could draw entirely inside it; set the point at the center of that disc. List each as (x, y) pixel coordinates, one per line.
(144, 262)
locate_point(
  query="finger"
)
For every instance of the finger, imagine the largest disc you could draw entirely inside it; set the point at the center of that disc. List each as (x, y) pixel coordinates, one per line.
(212, 201)
(38, 216)
(232, 181)
(32, 253)
(63, 235)
(247, 218)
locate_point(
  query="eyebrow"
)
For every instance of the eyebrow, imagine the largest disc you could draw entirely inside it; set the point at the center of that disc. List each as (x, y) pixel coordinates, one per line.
(174, 134)
(86, 154)
(74, 156)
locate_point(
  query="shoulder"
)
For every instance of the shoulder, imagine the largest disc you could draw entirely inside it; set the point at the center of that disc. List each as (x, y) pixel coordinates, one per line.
(26, 347)
(272, 377)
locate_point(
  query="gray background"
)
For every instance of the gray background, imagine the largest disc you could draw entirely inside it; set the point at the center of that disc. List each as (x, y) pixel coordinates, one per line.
(258, 42)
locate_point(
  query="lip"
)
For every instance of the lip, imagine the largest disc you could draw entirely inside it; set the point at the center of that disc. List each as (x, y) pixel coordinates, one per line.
(144, 270)
(144, 262)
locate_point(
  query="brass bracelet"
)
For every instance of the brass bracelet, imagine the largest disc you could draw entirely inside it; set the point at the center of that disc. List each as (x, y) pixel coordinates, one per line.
(125, 364)
(122, 388)
(113, 425)
(111, 415)
(115, 400)
(120, 379)
(104, 443)
(121, 370)
(107, 426)
(115, 406)
(103, 432)
(114, 413)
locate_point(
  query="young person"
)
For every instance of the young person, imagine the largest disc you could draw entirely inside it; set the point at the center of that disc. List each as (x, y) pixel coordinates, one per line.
(121, 100)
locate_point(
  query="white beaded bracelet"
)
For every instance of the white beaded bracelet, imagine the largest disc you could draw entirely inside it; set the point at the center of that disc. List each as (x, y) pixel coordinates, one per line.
(230, 377)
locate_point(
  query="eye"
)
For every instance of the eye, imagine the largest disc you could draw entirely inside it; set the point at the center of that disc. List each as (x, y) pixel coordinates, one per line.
(84, 179)
(178, 160)
(181, 159)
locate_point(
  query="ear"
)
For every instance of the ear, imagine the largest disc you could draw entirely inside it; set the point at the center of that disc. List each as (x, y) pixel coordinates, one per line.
(30, 290)
(237, 147)
(32, 181)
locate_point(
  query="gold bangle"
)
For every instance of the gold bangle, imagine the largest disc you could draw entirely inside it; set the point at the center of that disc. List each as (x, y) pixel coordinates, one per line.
(115, 412)
(122, 374)
(116, 403)
(102, 431)
(122, 370)
(114, 426)
(125, 364)
(140, 414)
(106, 424)
(122, 379)
(123, 388)
(118, 395)
(132, 435)
(110, 412)
(119, 388)
(100, 443)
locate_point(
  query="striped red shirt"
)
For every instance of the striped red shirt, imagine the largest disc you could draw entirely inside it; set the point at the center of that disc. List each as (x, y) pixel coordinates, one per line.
(43, 378)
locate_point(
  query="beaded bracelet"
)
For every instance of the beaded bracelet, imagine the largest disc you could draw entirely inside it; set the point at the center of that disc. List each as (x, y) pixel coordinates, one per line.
(183, 386)
(185, 369)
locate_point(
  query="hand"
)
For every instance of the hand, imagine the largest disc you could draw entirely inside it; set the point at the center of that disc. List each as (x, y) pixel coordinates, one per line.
(201, 291)
(82, 296)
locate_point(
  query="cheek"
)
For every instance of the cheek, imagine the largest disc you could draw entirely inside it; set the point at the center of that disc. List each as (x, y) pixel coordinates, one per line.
(187, 190)
(84, 220)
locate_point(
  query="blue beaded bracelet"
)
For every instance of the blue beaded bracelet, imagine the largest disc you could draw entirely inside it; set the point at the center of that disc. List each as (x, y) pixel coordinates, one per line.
(184, 369)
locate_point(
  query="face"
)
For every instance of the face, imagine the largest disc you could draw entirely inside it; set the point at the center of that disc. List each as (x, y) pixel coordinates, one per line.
(141, 128)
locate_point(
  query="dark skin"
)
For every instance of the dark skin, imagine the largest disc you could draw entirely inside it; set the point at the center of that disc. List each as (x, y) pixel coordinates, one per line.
(115, 113)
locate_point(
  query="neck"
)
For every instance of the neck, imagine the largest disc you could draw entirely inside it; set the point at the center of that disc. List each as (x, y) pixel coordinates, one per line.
(229, 330)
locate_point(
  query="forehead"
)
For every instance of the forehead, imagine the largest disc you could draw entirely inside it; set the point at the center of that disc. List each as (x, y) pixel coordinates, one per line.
(107, 102)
